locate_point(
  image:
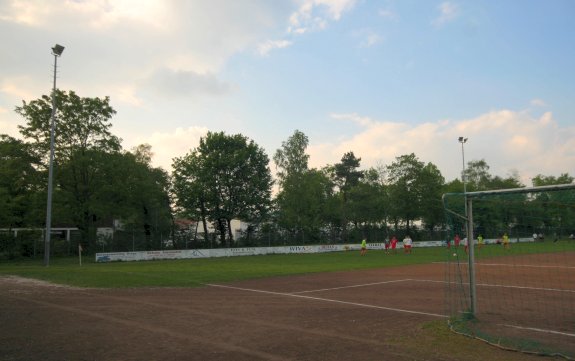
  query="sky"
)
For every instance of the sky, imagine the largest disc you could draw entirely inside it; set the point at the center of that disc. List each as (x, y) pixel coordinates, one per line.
(379, 78)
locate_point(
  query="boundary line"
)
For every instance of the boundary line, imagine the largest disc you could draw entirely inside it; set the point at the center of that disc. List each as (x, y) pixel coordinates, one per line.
(431, 281)
(541, 330)
(328, 300)
(504, 286)
(339, 288)
(522, 265)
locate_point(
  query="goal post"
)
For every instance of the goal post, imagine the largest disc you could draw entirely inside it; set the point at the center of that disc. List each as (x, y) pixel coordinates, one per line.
(520, 275)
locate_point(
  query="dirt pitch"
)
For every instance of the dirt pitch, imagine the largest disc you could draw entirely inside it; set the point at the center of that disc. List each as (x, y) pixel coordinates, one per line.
(382, 314)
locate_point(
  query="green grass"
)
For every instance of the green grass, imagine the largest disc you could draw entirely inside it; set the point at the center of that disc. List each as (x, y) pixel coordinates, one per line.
(195, 272)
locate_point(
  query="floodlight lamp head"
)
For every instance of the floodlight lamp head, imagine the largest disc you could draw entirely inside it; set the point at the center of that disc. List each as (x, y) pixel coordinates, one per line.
(57, 50)
(462, 140)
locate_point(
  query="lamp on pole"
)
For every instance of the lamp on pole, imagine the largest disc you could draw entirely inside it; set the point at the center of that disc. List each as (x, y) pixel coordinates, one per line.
(469, 235)
(56, 51)
(463, 141)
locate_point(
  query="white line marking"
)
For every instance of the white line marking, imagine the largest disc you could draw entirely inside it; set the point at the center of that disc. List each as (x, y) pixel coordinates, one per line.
(465, 263)
(339, 288)
(329, 300)
(504, 286)
(522, 265)
(542, 330)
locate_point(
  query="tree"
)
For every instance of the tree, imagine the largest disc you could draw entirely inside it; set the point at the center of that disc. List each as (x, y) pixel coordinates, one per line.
(477, 176)
(303, 193)
(430, 184)
(302, 203)
(19, 184)
(143, 153)
(291, 159)
(82, 124)
(233, 176)
(95, 182)
(191, 187)
(346, 176)
(404, 191)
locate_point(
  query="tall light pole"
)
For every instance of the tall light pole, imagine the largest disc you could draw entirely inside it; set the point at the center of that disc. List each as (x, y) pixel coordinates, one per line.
(463, 141)
(469, 235)
(56, 51)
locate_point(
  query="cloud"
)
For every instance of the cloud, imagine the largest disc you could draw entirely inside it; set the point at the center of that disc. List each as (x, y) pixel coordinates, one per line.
(168, 145)
(538, 103)
(265, 47)
(314, 15)
(370, 39)
(388, 14)
(508, 140)
(182, 83)
(448, 12)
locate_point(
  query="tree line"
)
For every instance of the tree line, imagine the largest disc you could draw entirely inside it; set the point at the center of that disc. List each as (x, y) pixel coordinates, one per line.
(226, 177)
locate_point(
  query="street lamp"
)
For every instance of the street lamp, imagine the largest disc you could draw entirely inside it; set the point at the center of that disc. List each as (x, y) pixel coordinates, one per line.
(56, 51)
(469, 236)
(463, 141)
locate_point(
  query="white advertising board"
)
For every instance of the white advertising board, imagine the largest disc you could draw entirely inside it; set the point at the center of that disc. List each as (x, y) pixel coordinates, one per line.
(252, 251)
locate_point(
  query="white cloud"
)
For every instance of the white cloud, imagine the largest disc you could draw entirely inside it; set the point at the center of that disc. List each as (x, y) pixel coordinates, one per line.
(448, 11)
(507, 140)
(7, 126)
(538, 103)
(388, 14)
(168, 145)
(314, 15)
(371, 38)
(267, 46)
(168, 82)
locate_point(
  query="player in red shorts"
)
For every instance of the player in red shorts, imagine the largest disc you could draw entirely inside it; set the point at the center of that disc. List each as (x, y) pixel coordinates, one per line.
(456, 240)
(386, 244)
(407, 244)
(393, 244)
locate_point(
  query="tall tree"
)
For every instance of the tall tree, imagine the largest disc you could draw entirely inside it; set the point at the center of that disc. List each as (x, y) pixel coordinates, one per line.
(477, 176)
(291, 159)
(303, 193)
(82, 124)
(19, 184)
(238, 178)
(191, 187)
(346, 176)
(82, 138)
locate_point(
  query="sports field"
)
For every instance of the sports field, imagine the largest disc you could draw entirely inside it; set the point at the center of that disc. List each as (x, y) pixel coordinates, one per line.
(336, 306)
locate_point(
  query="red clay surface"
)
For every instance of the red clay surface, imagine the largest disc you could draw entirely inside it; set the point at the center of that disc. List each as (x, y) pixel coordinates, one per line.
(360, 315)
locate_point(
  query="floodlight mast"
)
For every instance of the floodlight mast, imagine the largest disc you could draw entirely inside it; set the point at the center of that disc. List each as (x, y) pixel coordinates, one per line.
(56, 51)
(463, 140)
(469, 234)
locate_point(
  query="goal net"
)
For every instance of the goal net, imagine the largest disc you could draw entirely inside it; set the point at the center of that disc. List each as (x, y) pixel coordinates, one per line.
(515, 288)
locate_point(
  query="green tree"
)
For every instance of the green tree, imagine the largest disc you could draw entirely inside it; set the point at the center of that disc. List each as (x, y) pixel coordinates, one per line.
(191, 187)
(236, 170)
(302, 203)
(82, 124)
(20, 187)
(477, 176)
(291, 159)
(346, 176)
(430, 184)
(403, 177)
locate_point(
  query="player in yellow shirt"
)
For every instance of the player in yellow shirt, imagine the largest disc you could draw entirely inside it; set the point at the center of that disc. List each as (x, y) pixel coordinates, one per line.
(505, 241)
(363, 246)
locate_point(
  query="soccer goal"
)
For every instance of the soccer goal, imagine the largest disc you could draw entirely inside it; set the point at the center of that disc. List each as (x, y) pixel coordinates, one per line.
(513, 284)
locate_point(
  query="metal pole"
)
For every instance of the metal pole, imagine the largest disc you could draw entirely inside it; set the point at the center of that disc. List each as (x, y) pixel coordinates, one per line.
(50, 171)
(471, 248)
(463, 141)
